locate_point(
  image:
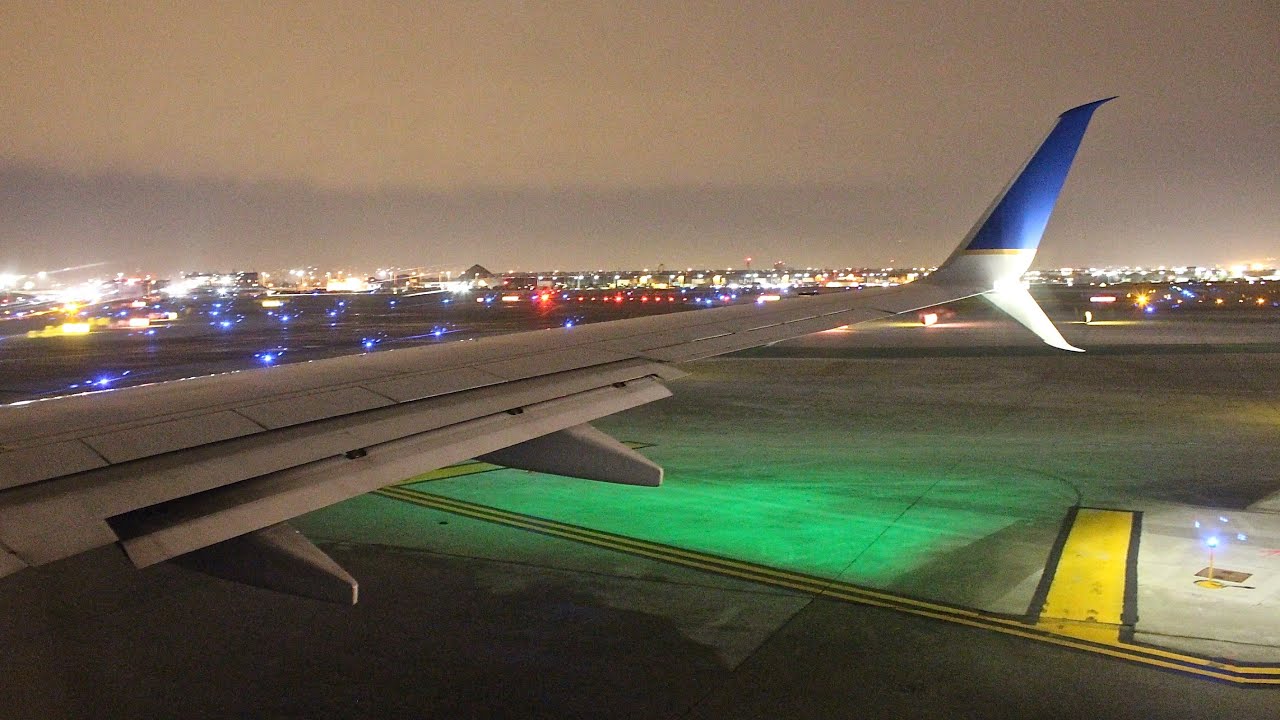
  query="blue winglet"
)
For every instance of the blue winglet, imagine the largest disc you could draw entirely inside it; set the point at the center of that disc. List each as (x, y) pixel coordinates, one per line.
(1018, 218)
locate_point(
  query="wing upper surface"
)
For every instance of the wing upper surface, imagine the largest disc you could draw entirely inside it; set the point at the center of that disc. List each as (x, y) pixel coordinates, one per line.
(61, 436)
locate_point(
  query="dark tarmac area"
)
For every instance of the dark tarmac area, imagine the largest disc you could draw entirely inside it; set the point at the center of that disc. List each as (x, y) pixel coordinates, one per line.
(223, 334)
(932, 462)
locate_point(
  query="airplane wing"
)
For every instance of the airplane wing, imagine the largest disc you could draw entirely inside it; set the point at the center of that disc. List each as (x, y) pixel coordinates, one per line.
(207, 471)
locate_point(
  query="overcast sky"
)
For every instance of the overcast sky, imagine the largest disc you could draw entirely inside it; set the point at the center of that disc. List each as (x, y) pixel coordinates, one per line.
(577, 135)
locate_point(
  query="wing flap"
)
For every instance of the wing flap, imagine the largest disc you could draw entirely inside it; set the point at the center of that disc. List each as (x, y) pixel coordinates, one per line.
(25, 465)
(166, 435)
(558, 360)
(165, 531)
(318, 406)
(53, 519)
(422, 385)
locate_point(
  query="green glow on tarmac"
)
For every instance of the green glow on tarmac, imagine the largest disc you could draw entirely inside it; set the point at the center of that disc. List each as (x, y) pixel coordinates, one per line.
(868, 526)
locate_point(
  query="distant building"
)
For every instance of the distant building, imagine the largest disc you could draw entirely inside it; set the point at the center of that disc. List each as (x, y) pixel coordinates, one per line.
(476, 272)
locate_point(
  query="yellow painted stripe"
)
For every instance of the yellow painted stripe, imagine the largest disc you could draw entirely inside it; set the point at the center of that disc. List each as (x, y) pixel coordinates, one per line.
(1087, 592)
(1099, 644)
(444, 473)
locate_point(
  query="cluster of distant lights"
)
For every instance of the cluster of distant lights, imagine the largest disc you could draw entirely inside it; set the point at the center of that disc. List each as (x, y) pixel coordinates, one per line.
(223, 314)
(618, 297)
(276, 308)
(1148, 302)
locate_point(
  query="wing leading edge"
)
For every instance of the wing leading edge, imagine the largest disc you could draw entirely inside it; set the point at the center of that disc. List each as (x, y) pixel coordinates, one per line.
(207, 471)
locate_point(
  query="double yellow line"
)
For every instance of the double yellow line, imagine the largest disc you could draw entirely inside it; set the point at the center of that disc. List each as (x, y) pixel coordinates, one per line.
(1039, 628)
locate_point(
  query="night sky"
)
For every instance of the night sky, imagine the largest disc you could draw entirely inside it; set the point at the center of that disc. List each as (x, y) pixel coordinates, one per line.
(578, 135)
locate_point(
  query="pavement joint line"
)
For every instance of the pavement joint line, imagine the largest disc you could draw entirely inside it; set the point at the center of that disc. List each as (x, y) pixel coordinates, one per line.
(1237, 673)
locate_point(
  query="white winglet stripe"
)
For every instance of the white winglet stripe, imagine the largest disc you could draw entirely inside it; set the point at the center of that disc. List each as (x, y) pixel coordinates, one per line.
(1016, 301)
